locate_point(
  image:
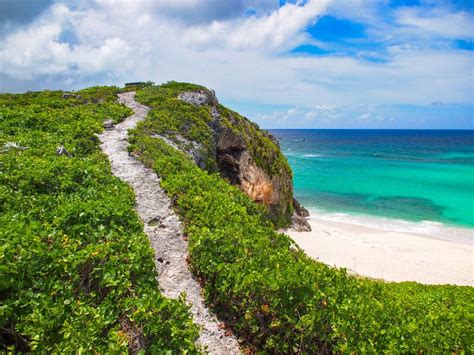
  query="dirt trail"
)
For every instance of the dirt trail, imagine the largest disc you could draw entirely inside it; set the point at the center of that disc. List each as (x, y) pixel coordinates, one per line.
(163, 228)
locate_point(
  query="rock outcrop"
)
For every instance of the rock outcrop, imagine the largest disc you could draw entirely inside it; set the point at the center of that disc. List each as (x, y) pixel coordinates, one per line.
(236, 164)
(300, 210)
(242, 153)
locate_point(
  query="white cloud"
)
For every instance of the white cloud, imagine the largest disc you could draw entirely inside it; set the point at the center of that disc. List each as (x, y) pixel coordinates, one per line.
(240, 57)
(37, 50)
(360, 10)
(439, 22)
(363, 116)
(280, 29)
(191, 12)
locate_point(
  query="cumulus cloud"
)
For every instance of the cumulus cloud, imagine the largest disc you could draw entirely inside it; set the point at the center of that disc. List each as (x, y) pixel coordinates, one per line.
(242, 51)
(280, 29)
(36, 50)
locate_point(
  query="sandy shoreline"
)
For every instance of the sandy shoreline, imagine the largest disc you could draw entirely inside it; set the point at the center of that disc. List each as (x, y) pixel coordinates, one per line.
(388, 255)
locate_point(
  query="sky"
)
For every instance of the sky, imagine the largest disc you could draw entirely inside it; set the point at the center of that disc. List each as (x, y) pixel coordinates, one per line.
(283, 64)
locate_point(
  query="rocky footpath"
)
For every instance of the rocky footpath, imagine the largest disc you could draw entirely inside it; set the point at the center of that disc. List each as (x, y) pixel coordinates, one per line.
(164, 230)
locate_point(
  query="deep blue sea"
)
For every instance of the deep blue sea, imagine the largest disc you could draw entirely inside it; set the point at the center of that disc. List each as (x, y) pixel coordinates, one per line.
(419, 180)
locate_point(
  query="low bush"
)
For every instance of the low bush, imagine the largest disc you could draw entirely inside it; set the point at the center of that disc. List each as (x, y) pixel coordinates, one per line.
(76, 270)
(277, 299)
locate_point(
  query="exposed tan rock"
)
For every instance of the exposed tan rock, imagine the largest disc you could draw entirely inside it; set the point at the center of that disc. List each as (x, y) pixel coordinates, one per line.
(236, 164)
(256, 184)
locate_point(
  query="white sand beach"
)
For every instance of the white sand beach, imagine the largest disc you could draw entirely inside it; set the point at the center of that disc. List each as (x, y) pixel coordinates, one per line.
(388, 255)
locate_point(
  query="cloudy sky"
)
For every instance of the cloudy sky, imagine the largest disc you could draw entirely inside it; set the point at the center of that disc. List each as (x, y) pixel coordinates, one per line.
(284, 64)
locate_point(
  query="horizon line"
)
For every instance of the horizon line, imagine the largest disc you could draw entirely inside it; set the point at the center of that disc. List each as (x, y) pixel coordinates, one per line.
(372, 129)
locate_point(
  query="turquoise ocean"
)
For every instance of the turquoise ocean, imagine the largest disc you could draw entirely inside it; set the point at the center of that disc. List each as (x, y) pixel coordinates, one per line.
(405, 180)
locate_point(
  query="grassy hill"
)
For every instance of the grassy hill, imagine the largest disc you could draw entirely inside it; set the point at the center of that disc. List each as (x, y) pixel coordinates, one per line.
(268, 291)
(77, 272)
(223, 141)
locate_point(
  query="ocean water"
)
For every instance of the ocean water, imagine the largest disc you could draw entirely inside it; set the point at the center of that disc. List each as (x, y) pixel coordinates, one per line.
(415, 180)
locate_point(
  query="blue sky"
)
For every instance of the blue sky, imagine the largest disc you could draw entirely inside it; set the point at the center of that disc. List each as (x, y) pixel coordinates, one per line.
(284, 64)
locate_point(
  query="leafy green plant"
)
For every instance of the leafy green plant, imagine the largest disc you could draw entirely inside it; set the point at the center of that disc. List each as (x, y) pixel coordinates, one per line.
(12, 145)
(76, 270)
(275, 298)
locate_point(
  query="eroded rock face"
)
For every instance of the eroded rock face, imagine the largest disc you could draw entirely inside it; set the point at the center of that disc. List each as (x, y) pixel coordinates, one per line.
(237, 165)
(256, 183)
(230, 151)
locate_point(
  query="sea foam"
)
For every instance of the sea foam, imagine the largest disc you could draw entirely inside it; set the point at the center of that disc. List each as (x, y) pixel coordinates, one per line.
(428, 228)
(312, 155)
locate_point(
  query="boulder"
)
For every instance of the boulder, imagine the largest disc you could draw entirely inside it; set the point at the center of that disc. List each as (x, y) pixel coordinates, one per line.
(70, 95)
(62, 151)
(300, 210)
(194, 98)
(108, 124)
(299, 224)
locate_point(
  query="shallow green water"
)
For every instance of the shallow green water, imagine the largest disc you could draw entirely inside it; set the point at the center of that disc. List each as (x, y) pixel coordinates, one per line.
(407, 175)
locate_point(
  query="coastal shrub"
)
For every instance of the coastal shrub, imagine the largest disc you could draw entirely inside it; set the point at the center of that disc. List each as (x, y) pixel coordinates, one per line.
(76, 271)
(272, 295)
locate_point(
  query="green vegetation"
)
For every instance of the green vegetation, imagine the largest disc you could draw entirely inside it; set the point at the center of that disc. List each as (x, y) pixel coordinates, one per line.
(273, 296)
(76, 270)
(172, 117)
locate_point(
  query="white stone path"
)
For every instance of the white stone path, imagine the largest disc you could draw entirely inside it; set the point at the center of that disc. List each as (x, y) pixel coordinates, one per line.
(163, 228)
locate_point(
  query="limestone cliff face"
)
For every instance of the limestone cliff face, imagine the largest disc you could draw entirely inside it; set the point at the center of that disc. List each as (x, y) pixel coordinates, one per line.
(236, 164)
(245, 155)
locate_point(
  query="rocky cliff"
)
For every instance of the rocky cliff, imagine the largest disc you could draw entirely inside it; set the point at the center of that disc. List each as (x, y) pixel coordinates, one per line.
(220, 140)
